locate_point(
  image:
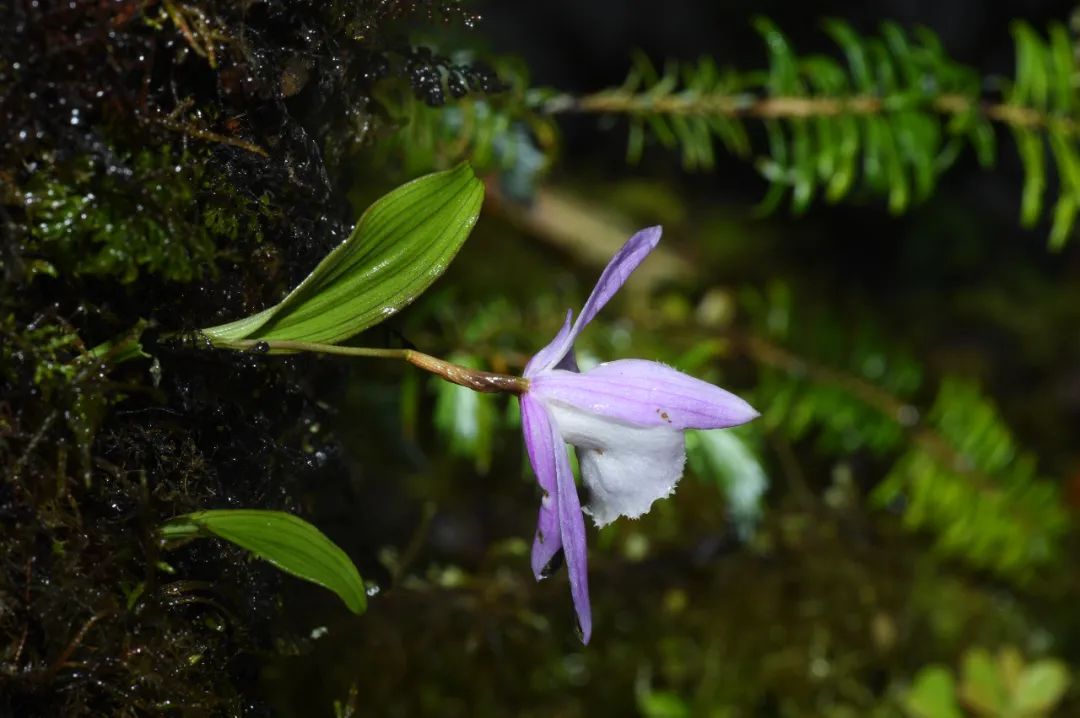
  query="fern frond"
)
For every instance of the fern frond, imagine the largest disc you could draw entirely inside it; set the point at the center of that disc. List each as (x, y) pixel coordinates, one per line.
(855, 394)
(970, 484)
(1041, 108)
(886, 120)
(956, 471)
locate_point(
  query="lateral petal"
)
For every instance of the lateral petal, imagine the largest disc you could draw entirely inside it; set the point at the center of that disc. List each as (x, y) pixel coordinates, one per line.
(626, 467)
(573, 537)
(645, 393)
(542, 448)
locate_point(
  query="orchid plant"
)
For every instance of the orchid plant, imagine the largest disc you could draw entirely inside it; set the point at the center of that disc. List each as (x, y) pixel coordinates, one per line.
(625, 418)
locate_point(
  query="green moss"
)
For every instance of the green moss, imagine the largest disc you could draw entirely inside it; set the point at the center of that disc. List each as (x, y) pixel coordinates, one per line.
(138, 217)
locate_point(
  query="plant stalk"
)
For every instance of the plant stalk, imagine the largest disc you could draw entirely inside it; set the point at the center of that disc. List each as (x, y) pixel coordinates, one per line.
(482, 381)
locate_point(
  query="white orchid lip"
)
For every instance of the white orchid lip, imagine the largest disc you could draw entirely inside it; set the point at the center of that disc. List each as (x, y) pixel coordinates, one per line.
(626, 420)
(626, 467)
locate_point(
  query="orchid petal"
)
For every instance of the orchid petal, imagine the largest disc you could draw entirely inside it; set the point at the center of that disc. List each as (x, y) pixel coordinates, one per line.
(546, 357)
(615, 274)
(618, 270)
(541, 447)
(573, 537)
(645, 393)
(626, 467)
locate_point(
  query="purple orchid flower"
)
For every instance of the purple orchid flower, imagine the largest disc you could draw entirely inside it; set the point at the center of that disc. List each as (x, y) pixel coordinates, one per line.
(625, 418)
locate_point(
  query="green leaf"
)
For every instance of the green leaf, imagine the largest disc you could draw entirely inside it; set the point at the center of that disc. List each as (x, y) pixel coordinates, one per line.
(288, 542)
(1040, 687)
(981, 687)
(399, 247)
(933, 695)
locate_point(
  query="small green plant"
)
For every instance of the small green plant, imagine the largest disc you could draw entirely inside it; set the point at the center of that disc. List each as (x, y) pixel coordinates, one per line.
(999, 686)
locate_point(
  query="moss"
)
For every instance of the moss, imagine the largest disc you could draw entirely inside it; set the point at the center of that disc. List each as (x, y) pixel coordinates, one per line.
(116, 224)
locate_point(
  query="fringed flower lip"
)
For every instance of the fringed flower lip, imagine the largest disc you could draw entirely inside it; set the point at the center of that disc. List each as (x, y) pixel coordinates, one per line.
(626, 420)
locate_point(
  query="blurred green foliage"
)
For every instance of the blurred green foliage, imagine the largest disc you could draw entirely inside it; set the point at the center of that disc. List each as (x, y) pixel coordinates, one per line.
(989, 686)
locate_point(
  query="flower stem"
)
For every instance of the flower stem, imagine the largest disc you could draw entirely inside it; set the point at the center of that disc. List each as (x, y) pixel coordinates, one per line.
(482, 381)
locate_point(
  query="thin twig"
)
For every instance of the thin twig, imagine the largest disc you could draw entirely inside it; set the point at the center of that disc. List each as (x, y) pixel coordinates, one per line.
(74, 644)
(208, 136)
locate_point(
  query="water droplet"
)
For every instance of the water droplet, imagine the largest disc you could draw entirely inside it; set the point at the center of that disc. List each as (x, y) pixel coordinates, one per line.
(372, 589)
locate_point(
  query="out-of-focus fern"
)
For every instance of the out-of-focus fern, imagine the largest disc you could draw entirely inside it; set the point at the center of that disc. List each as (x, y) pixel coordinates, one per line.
(888, 120)
(854, 395)
(1042, 108)
(955, 471)
(873, 122)
(966, 479)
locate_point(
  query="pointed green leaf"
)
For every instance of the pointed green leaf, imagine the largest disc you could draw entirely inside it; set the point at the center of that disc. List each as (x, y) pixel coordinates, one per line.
(1030, 147)
(288, 542)
(1060, 58)
(399, 247)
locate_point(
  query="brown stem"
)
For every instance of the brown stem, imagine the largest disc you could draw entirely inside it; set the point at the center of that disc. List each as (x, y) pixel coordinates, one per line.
(792, 107)
(483, 381)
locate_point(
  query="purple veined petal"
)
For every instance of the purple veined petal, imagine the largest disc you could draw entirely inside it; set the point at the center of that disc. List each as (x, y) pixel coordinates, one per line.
(542, 448)
(618, 270)
(644, 393)
(615, 274)
(573, 537)
(626, 467)
(546, 357)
